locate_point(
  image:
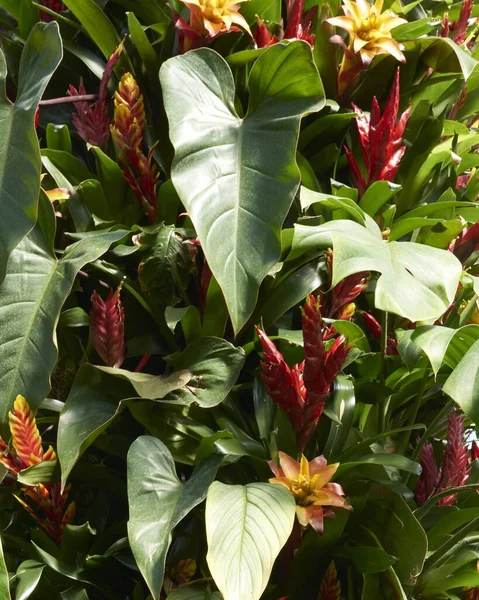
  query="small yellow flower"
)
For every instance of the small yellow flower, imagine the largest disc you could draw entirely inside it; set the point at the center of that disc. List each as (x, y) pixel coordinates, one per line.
(369, 30)
(210, 17)
(309, 482)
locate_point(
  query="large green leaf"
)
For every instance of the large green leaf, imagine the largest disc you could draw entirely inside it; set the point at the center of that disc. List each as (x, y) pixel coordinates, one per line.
(416, 282)
(246, 527)
(28, 576)
(31, 298)
(236, 175)
(4, 577)
(158, 501)
(96, 23)
(463, 383)
(19, 154)
(96, 398)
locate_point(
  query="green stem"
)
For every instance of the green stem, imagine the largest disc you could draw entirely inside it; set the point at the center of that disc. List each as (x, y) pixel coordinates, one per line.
(382, 371)
(404, 439)
(466, 314)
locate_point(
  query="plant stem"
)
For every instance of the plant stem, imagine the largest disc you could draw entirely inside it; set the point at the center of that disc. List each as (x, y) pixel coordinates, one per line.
(382, 371)
(404, 439)
(67, 99)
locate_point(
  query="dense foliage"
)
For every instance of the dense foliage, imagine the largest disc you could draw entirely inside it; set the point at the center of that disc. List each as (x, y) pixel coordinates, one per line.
(239, 300)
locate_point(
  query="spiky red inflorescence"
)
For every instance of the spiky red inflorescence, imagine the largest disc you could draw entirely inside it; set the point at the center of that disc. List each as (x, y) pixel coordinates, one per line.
(55, 5)
(466, 243)
(92, 121)
(301, 391)
(455, 461)
(375, 329)
(459, 27)
(262, 35)
(380, 137)
(472, 594)
(284, 385)
(330, 586)
(107, 327)
(299, 25)
(48, 500)
(453, 471)
(474, 450)
(426, 484)
(339, 301)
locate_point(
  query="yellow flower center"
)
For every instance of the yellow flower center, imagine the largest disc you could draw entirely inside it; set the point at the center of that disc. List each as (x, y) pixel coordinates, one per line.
(213, 10)
(303, 490)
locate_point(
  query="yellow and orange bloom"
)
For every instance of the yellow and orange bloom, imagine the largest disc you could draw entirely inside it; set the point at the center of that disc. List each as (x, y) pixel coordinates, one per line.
(330, 586)
(369, 29)
(210, 17)
(310, 484)
(49, 500)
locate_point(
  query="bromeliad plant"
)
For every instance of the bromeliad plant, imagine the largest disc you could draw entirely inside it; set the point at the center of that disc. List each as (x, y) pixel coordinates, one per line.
(239, 297)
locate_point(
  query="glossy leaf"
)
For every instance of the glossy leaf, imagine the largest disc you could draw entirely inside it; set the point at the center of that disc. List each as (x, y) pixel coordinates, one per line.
(417, 282)
(32, 295)
(462, 386)
(96, 399)
(4, 577)
(236, 190)
(28, 576)
(158, 501)
(246, 527)
(20, 155)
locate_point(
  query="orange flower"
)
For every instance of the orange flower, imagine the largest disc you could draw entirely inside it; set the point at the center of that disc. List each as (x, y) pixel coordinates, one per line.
(210, 17)
(309, 482)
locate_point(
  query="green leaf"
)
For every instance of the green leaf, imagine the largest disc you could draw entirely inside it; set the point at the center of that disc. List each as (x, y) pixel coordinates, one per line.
(96, 23)
(399, 532)
(33, 293)
(239, 193)
(4, 577)
(191, 593)
(158, 501)
(44, 472)
(20, 155)
(28, 576)
(246, 527)
(268, 10)
(462, 385)
(95, 400)
(443, 55)
(215, 365)
(366, 559)
(416, 282)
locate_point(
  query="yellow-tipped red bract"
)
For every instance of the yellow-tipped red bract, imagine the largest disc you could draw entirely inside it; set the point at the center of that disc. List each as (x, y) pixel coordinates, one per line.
(369, 29)
(25, 451)
(330, 586)
(309, 482)
(128, 131)
(26, 439)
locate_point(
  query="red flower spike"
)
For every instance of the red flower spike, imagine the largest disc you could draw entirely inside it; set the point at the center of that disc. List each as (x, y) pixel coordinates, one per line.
(375, 329)
(467, 243)
(262, 35)
(92, 121)
(380, 137)
(474, 450)
(455, 461)
(330, 586)
(107, 328)
(343, 295)
(460, 26)
(55, 5)
(26, 439)
(299, 27)
(283, 384)
(426, 484)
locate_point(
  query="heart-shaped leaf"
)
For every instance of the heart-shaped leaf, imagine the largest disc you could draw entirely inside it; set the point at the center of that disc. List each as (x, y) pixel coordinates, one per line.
(416, 282)
(246, 528)
(158, 501)
(235, 184)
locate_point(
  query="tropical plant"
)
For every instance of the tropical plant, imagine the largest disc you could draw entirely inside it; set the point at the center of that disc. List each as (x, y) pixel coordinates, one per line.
(239, 281)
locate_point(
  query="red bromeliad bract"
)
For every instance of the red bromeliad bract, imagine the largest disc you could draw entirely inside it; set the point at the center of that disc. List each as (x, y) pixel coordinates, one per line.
(107, 326)
(380, 137)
